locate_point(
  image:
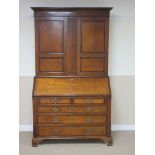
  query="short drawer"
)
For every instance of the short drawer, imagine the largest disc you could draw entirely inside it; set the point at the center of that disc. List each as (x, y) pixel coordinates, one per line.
(48, 119)
(72, 109)
(72, 131)
(55, 100)
(89, 100)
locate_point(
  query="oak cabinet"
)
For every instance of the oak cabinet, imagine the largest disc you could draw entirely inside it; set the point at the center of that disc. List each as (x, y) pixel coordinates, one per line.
(71, 94)
(74, 46)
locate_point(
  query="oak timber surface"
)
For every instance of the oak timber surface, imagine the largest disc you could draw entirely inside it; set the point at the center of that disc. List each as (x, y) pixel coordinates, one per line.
(71, 86)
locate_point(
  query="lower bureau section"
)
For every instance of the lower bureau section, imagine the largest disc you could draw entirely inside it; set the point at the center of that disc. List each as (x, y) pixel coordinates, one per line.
(44, 131)
(72, 117)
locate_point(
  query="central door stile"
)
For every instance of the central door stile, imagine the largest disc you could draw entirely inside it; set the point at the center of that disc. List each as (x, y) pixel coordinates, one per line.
(65, 47)
(71, 46)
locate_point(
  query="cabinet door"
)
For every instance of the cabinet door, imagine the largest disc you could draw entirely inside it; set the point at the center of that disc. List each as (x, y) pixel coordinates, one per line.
(50, 46)
(92, 46)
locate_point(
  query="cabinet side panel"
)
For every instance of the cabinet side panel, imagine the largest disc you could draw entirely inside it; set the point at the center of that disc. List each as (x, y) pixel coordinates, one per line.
(106, 44)
(36, 47)
(109, 117)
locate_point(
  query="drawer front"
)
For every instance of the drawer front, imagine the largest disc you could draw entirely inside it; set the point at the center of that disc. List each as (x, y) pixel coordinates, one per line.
(89, 100)
(71, 119)
(72, 109)
(72, 131)
(55, 100)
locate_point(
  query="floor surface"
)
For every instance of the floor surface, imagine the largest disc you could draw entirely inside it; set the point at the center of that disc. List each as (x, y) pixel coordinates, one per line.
(123, 144)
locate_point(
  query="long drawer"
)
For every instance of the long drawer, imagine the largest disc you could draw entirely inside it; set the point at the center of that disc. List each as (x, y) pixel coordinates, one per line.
(71, 131)
(48, 119)
(72, 109)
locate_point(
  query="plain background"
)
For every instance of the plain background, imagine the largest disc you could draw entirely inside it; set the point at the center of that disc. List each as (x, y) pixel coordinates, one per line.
(121, 56)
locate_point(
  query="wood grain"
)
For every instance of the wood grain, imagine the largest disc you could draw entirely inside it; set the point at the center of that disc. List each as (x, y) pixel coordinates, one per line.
(92, 33)
(92, 65)
(89, 100)
(71, 109)
(54, 100)
(47, 119)
(51, 65)
(71, 86)
(51, 36)
(71, 131)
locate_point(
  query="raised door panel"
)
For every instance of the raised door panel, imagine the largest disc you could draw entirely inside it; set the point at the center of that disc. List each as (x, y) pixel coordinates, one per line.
(51, 64)
(92, 36)
(92, 65)
(92, 46)
(51, 36)
(51, 55)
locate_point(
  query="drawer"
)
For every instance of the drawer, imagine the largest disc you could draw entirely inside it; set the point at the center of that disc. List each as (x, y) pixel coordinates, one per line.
(72, 109)
(48, 119)
(89, 100)
(55, 100)
(72, 131)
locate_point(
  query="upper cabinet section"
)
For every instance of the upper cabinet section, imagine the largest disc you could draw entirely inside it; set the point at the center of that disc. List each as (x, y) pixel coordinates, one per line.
(71, 41)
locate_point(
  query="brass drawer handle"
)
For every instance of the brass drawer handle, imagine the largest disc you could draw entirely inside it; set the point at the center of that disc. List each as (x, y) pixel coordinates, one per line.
(89, 130)
(56, 131)
(55, 109)
(88, 119)
(88, 101)
(55, 120)
(88, 109)
(55, 100)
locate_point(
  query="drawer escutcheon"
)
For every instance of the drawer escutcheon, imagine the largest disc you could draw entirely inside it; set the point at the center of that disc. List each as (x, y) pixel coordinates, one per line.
(56, 131)
(55, 109)
(88, 101)
(55, 100)
(55, 120)
(88, 119)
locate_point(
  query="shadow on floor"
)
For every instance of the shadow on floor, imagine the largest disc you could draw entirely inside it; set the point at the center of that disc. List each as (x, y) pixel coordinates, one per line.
(71, 141)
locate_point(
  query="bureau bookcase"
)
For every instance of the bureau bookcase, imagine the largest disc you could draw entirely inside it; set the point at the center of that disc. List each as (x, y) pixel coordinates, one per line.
(71, 91)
